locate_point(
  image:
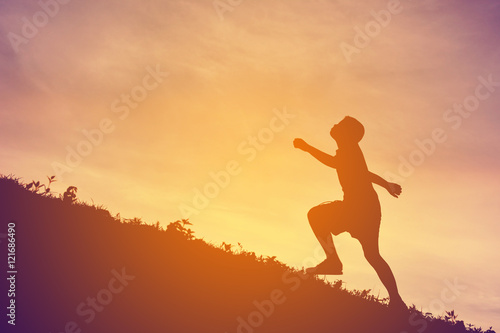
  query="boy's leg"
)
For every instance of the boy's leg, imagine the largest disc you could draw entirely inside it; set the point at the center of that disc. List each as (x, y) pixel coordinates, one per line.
(321, 218)
(384, 272)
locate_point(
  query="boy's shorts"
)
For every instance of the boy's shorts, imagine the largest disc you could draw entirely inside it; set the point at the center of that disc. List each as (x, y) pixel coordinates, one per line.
(361, 220)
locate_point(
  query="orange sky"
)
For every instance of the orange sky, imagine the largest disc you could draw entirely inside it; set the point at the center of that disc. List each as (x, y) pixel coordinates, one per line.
(181, 90)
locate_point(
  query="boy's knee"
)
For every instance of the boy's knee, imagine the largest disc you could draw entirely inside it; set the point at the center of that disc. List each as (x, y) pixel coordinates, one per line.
(313, 215)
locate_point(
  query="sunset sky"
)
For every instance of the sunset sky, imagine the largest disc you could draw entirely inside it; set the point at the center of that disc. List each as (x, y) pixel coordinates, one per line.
(168, 109)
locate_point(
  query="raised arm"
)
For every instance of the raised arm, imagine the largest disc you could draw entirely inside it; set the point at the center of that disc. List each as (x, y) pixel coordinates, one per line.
(324, 158)
(393, 188)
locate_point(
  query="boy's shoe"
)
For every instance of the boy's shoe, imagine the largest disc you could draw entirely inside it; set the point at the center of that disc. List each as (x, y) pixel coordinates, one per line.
(327, 267)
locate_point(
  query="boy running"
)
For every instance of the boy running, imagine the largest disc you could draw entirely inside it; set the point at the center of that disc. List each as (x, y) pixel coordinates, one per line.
(359, 212)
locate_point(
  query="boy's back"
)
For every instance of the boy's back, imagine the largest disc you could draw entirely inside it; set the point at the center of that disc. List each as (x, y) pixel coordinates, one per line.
(354, 175)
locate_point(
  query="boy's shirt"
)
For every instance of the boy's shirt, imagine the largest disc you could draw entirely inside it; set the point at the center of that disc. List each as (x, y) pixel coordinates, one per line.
(354, 175)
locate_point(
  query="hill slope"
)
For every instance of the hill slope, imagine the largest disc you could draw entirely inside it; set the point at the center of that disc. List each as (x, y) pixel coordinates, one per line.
(82, 270)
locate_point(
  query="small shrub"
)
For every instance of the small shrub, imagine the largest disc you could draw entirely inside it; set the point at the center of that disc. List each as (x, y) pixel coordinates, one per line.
(69, 196)
(38, 187)
(179, 227)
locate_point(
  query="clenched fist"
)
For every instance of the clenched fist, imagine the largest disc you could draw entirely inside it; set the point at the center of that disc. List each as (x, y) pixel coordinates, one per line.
(300, 144)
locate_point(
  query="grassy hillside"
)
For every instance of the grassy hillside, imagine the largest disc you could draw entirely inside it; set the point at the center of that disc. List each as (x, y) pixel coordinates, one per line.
(82, 270)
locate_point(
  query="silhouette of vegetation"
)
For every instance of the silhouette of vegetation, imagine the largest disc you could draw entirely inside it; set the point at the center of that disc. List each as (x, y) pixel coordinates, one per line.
(70, 195)
(181, 283)
(36, 187)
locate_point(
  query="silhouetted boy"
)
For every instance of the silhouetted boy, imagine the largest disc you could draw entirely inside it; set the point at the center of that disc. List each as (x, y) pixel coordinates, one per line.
(359, 212)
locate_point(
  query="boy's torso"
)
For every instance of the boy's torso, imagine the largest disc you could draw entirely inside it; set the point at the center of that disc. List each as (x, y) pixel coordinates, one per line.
(354, 175)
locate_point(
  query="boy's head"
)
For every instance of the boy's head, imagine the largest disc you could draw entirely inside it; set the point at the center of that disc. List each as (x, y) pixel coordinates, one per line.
(349, 130)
